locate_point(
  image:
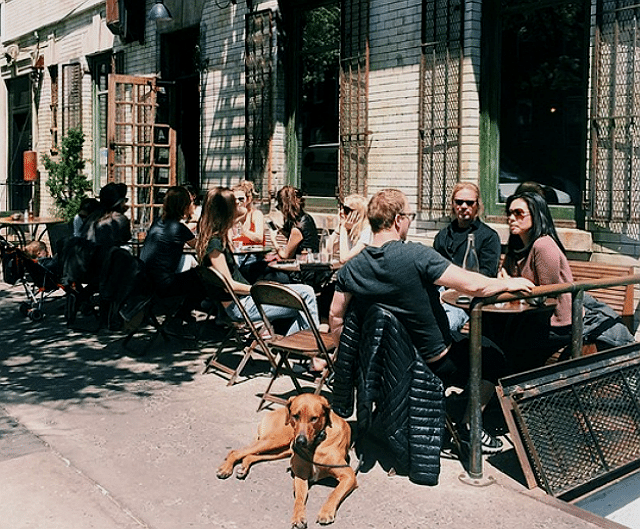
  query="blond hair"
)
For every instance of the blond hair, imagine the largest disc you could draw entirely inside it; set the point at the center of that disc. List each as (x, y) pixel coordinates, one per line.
(466, 185)
(357, 203)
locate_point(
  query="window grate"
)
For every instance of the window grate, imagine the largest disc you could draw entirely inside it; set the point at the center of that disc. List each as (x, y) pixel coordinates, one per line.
(613, 190)
(354, 95)
(439, 146)
(259, 89)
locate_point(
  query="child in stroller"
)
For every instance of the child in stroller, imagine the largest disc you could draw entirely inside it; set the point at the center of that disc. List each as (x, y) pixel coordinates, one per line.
(35, 270)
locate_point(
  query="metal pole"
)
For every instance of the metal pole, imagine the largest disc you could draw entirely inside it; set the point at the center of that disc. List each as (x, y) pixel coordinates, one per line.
(475, 376)
(577, 323)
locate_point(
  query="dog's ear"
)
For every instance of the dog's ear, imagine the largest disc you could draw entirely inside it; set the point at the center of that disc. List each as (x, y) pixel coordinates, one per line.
(327, 413)
(288, 408)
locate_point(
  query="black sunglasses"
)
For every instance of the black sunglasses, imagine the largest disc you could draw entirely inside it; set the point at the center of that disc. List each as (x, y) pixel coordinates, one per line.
(460, 202)
(346, 209)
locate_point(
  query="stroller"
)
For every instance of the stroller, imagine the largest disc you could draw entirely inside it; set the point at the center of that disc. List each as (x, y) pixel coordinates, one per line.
(39, 281)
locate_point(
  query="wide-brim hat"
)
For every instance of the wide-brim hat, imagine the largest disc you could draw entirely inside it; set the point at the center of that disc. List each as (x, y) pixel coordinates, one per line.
(112, 195)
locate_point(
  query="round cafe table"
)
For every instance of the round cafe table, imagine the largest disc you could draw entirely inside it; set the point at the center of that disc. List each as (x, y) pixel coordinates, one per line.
(17, 230)
(517, 327)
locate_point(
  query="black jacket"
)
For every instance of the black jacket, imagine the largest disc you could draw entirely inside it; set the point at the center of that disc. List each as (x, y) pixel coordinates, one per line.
(487, 242)
(397, 393)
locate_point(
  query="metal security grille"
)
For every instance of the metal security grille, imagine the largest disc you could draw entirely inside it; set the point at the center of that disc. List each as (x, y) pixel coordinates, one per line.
(576, 423)
(613, 190)
(440, 67)
(354, 95)
(259, 88)
(71, 97)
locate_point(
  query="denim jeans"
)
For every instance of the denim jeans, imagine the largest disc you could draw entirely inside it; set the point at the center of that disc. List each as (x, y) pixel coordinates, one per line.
(457, 317)
(275, 313)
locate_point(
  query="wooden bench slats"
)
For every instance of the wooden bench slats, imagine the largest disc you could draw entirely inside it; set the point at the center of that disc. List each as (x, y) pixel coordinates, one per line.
(619, 298)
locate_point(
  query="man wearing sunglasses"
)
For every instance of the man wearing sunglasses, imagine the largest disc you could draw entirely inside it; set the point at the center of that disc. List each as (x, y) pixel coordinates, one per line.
(403, 278)
(451, 241)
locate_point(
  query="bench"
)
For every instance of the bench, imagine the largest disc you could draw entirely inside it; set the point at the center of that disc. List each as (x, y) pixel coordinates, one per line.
(619, 298)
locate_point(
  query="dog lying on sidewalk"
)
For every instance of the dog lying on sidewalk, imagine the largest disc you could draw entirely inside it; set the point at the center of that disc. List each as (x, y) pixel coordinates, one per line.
(318, 442)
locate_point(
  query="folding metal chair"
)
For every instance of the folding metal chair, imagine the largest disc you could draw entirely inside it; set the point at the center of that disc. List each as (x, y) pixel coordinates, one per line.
(305, 344)
(243, 335)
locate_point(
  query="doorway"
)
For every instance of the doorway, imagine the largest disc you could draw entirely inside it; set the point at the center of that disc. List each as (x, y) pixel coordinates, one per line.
(316, 67)
(543, 114)
(179, 99)
(20, 132)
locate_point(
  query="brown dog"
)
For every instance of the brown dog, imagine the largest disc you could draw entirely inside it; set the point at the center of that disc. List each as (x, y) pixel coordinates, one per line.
(317, 440)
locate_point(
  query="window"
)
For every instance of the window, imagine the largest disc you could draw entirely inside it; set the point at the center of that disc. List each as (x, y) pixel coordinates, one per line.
(71, 97)
(259, 87)
(439, 146)
(354, 98)
(101, 66)
(53, 105)
(313, 103)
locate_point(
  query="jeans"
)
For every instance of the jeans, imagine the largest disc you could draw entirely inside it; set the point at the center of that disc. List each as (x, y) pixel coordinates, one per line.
(275, 313)
(457, 317)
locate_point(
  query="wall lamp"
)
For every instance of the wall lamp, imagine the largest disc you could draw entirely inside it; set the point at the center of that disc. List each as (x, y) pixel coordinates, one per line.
(159, 12)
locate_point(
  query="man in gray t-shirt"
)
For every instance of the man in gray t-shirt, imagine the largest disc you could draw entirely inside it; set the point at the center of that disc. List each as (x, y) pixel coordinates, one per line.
(403, 278)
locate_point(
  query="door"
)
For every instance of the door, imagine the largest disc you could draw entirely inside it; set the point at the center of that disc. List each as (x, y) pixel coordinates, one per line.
(141, 152)
(19, 141)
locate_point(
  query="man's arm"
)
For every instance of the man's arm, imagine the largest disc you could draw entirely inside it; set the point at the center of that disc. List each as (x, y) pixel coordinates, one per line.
(337, 313)
(477, 285)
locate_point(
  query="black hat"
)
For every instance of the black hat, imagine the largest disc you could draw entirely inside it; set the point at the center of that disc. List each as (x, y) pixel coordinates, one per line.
(112, 195)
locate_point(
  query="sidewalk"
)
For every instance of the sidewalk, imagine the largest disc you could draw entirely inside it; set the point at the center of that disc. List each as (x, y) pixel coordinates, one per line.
(94, 437)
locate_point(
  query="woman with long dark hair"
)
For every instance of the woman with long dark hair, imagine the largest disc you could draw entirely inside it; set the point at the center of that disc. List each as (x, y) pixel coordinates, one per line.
(534, 251)
(298, 226)
(215, 249)
(173, 272)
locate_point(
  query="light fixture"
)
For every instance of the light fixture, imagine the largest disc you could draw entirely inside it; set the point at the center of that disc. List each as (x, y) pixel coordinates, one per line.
(159, 12)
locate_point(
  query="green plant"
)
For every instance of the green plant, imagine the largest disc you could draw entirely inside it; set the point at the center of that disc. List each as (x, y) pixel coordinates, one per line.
(67, 184)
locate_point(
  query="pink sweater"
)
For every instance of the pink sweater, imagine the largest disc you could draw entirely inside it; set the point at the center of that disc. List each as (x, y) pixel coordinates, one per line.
(545, 265)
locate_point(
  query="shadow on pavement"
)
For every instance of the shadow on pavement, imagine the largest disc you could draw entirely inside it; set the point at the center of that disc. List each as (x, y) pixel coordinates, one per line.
(49, 361)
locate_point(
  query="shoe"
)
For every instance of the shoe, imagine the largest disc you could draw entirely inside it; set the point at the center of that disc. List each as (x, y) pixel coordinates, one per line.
(490, 444)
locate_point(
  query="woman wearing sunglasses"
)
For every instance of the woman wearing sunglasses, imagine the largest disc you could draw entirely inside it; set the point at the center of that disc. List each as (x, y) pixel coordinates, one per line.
(534, 251)
(354, 232)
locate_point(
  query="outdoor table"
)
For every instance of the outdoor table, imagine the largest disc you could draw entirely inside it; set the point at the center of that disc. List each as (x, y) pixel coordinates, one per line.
(516, 326)
(28, 225)
(460, 300)
(291, 265)
(251, 249)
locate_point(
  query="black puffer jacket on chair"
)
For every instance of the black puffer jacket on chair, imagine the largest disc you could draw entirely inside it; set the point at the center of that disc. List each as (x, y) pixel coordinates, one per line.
(397, 394)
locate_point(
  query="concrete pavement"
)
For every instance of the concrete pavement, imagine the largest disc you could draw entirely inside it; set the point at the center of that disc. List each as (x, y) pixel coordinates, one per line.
(92, 436)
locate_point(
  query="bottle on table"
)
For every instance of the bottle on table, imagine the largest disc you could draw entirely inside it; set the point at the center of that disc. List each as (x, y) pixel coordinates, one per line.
(470, 261)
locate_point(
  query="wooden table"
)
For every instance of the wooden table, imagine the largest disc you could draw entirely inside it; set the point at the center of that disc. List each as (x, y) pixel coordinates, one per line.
(18, 227)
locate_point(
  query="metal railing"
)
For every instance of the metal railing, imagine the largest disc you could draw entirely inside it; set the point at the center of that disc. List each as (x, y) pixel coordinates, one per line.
(577, 290)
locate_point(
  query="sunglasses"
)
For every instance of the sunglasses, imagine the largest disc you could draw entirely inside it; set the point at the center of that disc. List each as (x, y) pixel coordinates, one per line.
(460, 202)
(519, 214)
(346, 209)
(241, 199)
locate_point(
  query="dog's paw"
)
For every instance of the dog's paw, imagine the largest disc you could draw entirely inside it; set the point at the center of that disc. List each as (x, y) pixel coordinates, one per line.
(325, 518)
(224, 472)
(242, 472)
(300, 524)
